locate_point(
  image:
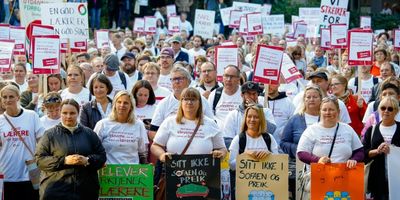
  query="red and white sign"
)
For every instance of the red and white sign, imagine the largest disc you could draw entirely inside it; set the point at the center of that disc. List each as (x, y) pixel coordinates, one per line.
(6, 50)
(224, 56)
(138, 25)
(254, 23)
(333, 12)
(102, 38)
(174, 24)
(268, 64)
(39, 29)
(171, 10)
(396, 39)
(78, 46)
(234, 19)
(4, 31)
(242, 26)
(17, 34)
(46, 54)
(150, 24)
(289, 69)
(300, 30)
(360, 46)
(64, 45)
(204, 23)
(325, 39)
(273, 24)
(338, 36)
(365, 22)
(225, 15)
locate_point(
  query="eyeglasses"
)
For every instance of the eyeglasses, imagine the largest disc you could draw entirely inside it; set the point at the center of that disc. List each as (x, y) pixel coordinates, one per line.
(230, 77)
(177, 79)
(389, 109)
(335, 84)
(52, 100)
(189, 100)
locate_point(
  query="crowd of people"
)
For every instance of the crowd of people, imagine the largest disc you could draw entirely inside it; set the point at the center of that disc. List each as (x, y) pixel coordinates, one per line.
(141, 98)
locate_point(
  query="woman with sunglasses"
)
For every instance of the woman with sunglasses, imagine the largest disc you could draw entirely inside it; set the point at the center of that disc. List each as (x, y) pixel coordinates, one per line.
(52, 108)
(377, 141)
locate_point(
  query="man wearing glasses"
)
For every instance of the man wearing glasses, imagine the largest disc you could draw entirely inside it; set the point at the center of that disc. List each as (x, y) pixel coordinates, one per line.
(166, 61)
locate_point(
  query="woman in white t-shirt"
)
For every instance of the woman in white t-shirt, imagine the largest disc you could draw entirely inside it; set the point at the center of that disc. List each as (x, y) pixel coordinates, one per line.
(145, 101)
(52, 108)
(75, 83)
(123, 136)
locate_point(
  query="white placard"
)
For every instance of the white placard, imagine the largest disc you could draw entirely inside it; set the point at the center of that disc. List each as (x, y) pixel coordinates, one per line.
(46, 54)
(338, 35)
(267, 65)
(289, 69)
(150, 24)
(243, 26)
(325, 38)
(266, 9)
(333, 12)
(224, 56)
(17, 34)
(30, 10)
(311, 18)
(171, 10)
(225, 15)
(234, 18)
(309, 12)
(6, 50)
(393, 166)
(38, 29)
(360, 47)
(365, 22)
(174, 24)
(396, 39)
(138, 25)
(204, 23)
(102, 38)
(254, 23)
(300, 30)
(246, 7)
(4, 31)
(273, 24)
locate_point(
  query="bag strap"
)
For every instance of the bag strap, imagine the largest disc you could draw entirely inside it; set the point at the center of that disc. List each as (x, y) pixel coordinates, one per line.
(190, 139)
(19, 135)
(334, 139)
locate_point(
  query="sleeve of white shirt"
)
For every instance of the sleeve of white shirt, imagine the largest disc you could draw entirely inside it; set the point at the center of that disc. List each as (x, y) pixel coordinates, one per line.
(206, 108)
(351, 85)
(356, 142)
(368, 112)
(230, 125)
(39, 128)
(98, 128)
(233, 152)
(158, 116)
(143, 141)
(306, 142)
(344, 113)
(163, 132)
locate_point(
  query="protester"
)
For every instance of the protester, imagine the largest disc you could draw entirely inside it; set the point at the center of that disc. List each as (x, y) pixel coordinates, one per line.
(145, 100)
(151, 73)
(51, 106)
(75, 86)
(55, 83)
(29, 97)
(20, 76)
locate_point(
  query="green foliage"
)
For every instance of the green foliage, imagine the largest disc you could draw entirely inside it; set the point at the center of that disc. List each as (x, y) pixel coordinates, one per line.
(387, 22)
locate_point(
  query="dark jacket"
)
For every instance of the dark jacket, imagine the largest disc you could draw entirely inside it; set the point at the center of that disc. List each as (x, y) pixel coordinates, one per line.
(90, 114)
(377, 183)
(60, 181)
(182, 56)
(26, 100)
(291, 134)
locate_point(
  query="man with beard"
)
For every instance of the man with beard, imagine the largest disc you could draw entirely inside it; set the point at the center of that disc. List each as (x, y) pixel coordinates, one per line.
(208, 79)
(150, 45)
(166, 61)
(129, 67)
(197, 49)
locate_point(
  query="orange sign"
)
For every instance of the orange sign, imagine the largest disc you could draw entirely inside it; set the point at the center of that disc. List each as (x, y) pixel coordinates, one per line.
(332, 181)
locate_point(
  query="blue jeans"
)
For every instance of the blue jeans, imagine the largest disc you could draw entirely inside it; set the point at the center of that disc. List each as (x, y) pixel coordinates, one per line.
(7, 13)
(95, 14)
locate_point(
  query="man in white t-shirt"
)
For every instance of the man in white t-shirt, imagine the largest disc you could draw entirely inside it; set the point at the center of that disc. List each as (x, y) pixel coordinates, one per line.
(151, 73)
(166, 61)
(129, 67)
(208, 79)
(184, 24)
(197, 49)
(367, 83)
(227, 98)
(119, 49)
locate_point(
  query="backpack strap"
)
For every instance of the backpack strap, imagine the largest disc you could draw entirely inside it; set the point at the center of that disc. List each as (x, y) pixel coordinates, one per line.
(123, 78)
(217, 97)
(140, 76)
(375, 80)
(242, 142)
(356, 84)
(267, 140)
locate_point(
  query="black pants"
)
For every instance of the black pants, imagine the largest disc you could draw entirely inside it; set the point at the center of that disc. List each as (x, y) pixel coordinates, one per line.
(20, 191)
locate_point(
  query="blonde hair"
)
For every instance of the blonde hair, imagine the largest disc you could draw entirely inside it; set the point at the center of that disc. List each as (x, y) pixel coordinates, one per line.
(262, 127)
(311, 87)
(392, 101)
(131, 116)
(190, 93)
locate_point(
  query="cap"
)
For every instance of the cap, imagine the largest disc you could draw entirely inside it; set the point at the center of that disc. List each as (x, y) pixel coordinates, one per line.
(250, 86)
(318, 75)
(167, 51)
(176, 38)
(128, 55)
(112, 62)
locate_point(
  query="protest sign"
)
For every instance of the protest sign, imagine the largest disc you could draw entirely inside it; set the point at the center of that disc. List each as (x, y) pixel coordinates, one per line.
(289, 69)
(311, 18)
(150, 24)
(393, 166)
(242, 26)
(225, 55)
(138, 25)
(225, 179)
(262, 179)
(64, 45)
(254, 23)
(273, 24)
(36, 30)
(102, 39)
(126, 181)
(360, 44)
(300, 30)
(365, 22)
(246, 7)
(249, 38)
(174, 24)
(6, 50)
(268, 64)
(325, 39)
(193, 176)
(204, 23)
(333, 12)
(338, 36)
(396, 39)
(30, 10)
(46, 54)
(225, 15)
(4, 31)
(266, 9)
(330, 181)
(17, 34)
(171, 10)
(234, 18)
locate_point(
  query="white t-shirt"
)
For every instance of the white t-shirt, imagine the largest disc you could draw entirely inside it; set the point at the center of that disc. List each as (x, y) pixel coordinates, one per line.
(282, 110)
(187, 26)
(22, 87)
(175, 136)
(366, 87)
(116, 82)
(388, 132)
(252, 144)
(119, 53)
(146, 112)
(201, 89)
(49, 123)
(161, 93)
(82, 97)
(225, 104)
(122, 141)
(311, 119)
(13, 153)
(193, 54)
(317, 140)
(165, 81)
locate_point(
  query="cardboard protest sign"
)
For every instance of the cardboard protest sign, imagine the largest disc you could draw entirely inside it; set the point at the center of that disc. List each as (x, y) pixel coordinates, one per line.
(204, 23)
(102, 39)
(36, 30)
(333, 12)
(242, 26)
(365, 22)
(225, 15)
(325, 39)
(46, 54)
(17, 34)
(234, 18)
(174, 24)
(4, 31)
(338, 36)
(273, 24)
(138, 25)
(6, 50)
(119, 181)
(225, 179)
(171, 10)
(150, 24)
(225, 55)
(268, 64)
(262, 179)
(329, 181)
(393, 166)
(396, 39)
(360, 44)
(289, 69)
(246, 7)
(30, 10)
(254, 23)
(193, 176)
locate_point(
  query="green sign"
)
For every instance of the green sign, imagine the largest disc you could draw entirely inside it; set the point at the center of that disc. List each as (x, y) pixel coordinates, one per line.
(129, 182)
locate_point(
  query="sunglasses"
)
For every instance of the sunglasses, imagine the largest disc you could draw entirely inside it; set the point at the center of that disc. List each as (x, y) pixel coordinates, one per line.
(389, 109)
(52, 100)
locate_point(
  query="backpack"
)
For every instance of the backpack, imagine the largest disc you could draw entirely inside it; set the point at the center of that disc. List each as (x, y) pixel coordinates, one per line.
(374, 80)
(217, 97)
(242, 141)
